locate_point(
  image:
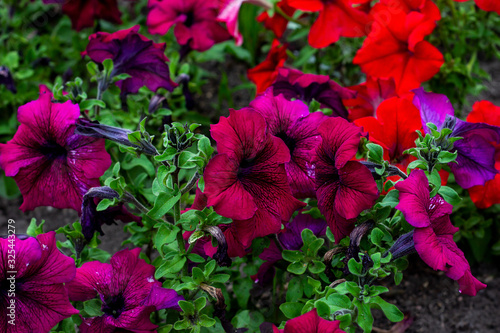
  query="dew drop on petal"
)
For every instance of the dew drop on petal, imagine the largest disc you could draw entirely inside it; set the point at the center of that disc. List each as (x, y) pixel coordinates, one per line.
(45, 247)
(151, 279)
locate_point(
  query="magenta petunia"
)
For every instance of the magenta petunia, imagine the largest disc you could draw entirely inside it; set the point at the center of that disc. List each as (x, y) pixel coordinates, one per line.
(310, 322)
(195, 22)
(294, 84)
(433, 235)
(475, 152)
(39, 296)
(133, 54)
(292, 122)
(51, 164)
(344, 188)
(128, 291)
(247, 180)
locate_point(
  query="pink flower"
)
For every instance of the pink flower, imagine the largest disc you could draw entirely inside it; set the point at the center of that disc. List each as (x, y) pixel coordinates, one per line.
(247, 180)
(41, 300)
(292, 122)
(194, 20)
(51, 164)
(133, 54)
(433, 235)
(344, 188)
(128, 291)
(310, 322)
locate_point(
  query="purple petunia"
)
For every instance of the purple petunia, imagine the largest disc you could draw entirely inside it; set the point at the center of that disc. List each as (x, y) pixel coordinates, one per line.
(344, 188)
(292, 122)
(51, 164)
(433, 235)
(292, 83)
(128, 291)
(133, 54)
(35, 294)
(476, 153)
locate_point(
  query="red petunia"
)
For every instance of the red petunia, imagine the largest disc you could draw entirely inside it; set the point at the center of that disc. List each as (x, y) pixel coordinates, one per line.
(396, 47)
(310, 322)
(369, 96)
(336, 19)
(264, 74)
(344, 188)
(486, 195)
(394, 128)
(277, 23)
(487, 5)
(247, 180)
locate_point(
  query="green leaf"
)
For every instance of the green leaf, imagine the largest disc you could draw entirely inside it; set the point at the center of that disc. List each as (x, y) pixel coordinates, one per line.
(165, 235)
(316, 267)
(376, 236)
(195, 258)
(173, 265)
(34, 229)
(209, 268)
(93, 307)
(220, 278)
(187, 307)
(375, 153)
(167, 155)
(294, 292)
(355, 267)
(449, 195)
(390, 310)
(376, 290)
(297, 268)
(185, 160)
(206, 321)
(292, 256)
(163, 204)
(447, 157)
(323, 308)
(200, 303)
(195, 236)
(338, 302)
(291, 309)
(104, 204)
(90, 103)
(198, 276)
(391, 199)
(365, 318)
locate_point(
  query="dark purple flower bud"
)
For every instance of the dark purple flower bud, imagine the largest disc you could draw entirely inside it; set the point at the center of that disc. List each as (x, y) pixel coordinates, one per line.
(92, 220)
(6, 79)
(403, 246)
(155, 103)
(119, 135)
(356, 236)
(220, 256)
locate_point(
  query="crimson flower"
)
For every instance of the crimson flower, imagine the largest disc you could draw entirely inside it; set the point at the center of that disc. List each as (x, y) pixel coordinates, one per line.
(369, 96)
(51, 164)
(486, 195)
(487, 5)
(394, 128)
(396, 47)
(246, 181)
(133, 54)
(310, 322)
(83, 13)
(292, 122)
(264, 74)
(194, 20)
(336, 19)
(228, 13)
(40, 298)
(475, 152)
(344, 188)
(294, 84)
(277, 23)
(128, 291)
(433, 235)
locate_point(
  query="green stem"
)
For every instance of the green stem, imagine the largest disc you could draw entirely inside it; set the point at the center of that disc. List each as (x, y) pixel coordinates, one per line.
(453, 9)
(287, 17)
(177, 212)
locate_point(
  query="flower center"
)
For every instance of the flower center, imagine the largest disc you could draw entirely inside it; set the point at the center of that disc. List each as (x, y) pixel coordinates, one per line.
(53, 150)
(114, 306)
(290, 142)
(189, 19)
(245, 167)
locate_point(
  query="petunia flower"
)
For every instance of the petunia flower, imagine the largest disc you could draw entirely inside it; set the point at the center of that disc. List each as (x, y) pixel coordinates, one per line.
(292, 122)
(83, 13)
(395, 46)
(369, 96)
(433, 235)
(36, 286)
(264, 74)
(246, 181)
(344, 188)
(476, 151)
(195, 22)
(133, 54)
(128, 291)
(486, 195)
(336, 19)
(51, 164)
(487, 5)
(310, 322)
(290, 239)
(294, 84)
(277, 23)
(228, 13)
(394, 128)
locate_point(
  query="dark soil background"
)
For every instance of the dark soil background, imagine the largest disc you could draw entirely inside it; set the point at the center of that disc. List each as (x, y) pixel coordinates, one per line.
(429, 297)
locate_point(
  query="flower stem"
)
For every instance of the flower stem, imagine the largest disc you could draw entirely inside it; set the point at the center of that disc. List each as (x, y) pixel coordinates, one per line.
(177, 212)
